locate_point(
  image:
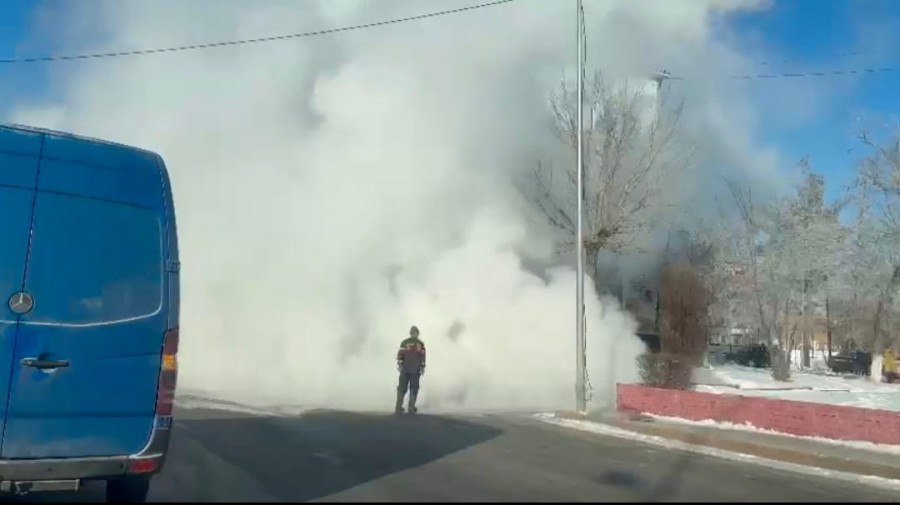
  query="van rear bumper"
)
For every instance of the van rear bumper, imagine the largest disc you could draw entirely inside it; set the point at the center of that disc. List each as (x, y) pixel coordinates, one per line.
(147, 462)
(56, 469)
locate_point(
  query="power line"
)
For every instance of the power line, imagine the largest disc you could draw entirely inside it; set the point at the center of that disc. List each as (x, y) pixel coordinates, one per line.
(251, 41)
(849, 54)
(784, 75)
(830, 73)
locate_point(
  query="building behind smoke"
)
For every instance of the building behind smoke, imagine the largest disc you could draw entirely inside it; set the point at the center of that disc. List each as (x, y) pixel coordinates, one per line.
(635, 279)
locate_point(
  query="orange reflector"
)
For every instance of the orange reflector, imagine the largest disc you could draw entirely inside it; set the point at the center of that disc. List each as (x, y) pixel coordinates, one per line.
(169, 363)
(142, 465)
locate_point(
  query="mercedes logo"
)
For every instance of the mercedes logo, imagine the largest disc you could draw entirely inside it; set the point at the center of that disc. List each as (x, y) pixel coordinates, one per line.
(21, 303)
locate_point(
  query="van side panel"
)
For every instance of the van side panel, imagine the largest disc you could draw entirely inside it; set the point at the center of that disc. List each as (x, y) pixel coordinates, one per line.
(19, 155)
(174, 274)
(96, 270)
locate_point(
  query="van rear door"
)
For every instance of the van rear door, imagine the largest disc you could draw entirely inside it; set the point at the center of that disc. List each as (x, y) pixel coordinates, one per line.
(87, 357)
(19, 155)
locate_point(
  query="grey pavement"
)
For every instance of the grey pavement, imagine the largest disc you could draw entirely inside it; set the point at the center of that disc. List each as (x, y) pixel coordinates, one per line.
(341, 456)
(861, 459)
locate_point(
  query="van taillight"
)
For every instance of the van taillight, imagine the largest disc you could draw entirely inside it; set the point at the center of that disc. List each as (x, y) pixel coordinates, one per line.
(143, 465)
(168, 374)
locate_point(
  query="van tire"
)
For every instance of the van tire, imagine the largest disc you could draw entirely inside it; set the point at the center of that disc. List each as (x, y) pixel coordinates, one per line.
(127, 489)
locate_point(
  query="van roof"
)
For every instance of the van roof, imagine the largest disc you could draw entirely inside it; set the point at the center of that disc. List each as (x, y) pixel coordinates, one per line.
(90, 167)
(72, 136)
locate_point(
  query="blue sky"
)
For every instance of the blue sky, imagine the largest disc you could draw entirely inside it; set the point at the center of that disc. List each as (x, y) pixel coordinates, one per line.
(811, 35)
(816, 35)
(15, 27)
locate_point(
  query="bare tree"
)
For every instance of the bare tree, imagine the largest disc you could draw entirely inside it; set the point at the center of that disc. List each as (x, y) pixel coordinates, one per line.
(685, 303)
(628, 150)
(685, 311)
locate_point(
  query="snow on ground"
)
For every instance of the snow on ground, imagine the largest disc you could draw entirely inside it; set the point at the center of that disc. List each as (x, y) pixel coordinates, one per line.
(195, 399)
(192, 402)
(604, 429)
(817, 360)
(709, 423)
(810, 386)
(199, 399)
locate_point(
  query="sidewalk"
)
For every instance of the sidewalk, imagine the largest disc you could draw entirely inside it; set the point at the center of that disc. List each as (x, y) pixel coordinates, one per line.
(762, 445)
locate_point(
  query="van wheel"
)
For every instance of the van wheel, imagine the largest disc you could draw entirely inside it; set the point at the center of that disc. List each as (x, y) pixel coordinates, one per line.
(127, 489)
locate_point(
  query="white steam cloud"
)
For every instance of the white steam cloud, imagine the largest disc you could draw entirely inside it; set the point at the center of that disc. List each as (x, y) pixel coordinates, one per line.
(333, 191)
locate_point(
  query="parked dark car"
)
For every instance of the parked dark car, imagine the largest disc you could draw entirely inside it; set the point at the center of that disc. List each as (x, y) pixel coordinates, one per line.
(855, 362)
(841, 363)
(756, 356)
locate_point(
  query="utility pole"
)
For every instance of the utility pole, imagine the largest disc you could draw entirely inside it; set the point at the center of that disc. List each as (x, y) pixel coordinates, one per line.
(828, 326)
(580, 393)
(659, 77)
(803, 361)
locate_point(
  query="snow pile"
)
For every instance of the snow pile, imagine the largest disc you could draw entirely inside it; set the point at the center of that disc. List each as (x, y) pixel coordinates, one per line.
(194, 401)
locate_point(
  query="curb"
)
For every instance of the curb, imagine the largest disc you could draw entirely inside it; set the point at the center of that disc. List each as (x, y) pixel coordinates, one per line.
(769, 451)
(855, 475)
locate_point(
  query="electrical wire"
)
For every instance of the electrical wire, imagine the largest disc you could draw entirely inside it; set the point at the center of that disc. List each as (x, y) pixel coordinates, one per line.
(849, 54)
(192, 47)
(830, 73)
(795, 75)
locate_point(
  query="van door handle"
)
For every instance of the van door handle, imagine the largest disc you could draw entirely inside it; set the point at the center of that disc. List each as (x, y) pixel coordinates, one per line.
(43, 364)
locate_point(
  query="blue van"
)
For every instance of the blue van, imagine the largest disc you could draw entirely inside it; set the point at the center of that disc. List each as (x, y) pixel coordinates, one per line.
(89, 308)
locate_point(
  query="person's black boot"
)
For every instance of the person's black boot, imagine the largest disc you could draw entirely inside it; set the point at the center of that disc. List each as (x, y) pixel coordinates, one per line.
(412, 403)
(398, 407)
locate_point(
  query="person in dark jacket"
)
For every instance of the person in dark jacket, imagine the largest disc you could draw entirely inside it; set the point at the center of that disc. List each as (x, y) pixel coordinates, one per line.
(411, 365)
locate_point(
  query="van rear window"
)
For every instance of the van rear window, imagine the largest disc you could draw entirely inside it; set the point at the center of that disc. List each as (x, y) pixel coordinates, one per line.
(93, 261)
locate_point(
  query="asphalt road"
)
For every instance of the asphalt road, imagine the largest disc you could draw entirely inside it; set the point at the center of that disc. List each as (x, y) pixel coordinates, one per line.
(340, 456)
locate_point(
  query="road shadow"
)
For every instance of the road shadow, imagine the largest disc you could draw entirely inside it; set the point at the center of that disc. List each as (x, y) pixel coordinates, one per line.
(220, 456)
(317, 454)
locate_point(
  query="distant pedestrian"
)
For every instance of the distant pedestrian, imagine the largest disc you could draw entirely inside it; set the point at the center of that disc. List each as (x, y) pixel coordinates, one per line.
(889, 367)
(862, 361)
(411, 365)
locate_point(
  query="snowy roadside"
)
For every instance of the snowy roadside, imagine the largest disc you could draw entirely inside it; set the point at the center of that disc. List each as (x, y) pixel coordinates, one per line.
(202, 400)
(673, 444)
(709, 423)
(832, 389)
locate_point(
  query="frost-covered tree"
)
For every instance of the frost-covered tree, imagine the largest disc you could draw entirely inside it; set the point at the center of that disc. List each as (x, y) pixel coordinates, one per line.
(780, 258)
(874, 272)
(815, 241)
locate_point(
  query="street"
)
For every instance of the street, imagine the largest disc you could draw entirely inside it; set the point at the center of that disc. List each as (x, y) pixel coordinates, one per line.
(340, 456)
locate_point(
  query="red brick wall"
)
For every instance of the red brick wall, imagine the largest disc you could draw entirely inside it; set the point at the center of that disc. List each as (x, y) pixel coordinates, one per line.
(786, 416)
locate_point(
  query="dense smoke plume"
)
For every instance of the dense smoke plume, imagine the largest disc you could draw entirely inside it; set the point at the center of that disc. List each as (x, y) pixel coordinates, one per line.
(333, 191)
